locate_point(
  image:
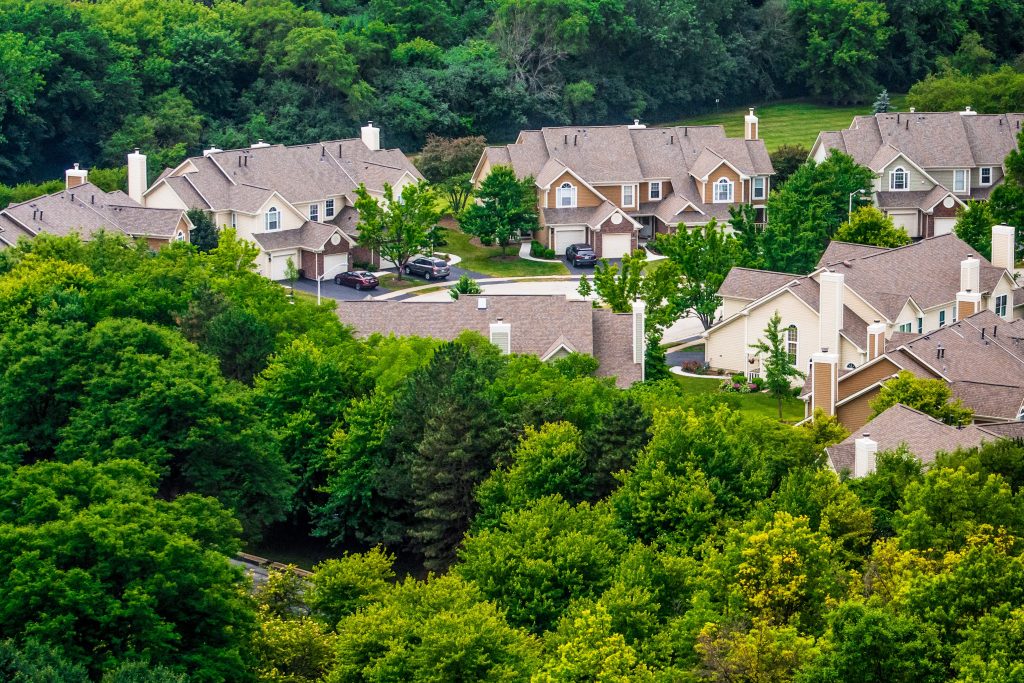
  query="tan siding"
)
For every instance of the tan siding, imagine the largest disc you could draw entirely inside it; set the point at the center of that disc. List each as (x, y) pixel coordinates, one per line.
(584, 197)
(851, 384)
(855, 414)
(821, 385)
(725, 349)
(917, 180)
(723, 171)
(163, 197)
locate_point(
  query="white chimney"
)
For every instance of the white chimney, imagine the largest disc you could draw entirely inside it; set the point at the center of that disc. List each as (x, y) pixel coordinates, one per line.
(73, 177)
(750, 124)
(1003, 248)
(830, 309)
(259, 144)
(636, 125)
(968, 112)
(501, 336)
(137, 180)
(864, 452)
(212, 150)
(370, 136)
(913, 109)
(639, 333)
(970, 275)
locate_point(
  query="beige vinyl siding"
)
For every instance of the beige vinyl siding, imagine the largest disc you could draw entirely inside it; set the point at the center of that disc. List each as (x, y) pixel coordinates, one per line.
(730, 351)
(917, 180)
(163, 197)
(848, 353)
(909, 314)
(725, 346)
(857, 305)
(731, 307)
(1002, 288)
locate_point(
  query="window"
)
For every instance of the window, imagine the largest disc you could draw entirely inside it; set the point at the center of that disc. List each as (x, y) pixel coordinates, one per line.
(314, 212)
(920, 325)
(654, 190)
(566, 196)
(1001, 305)
(898, 179)
(942, 318)
(758, 191)
(329, 208)
(234, 219)
(986, 175)
(905, 327)
(273, 218)
(629, 195)
(723, 190)
(791, 340)
(180, 236)
(960, 181)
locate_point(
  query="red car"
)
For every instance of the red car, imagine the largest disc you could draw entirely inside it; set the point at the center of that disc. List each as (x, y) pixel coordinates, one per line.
(359, 279)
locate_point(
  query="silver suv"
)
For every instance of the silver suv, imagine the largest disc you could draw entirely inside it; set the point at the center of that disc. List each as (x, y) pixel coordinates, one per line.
(429, 268)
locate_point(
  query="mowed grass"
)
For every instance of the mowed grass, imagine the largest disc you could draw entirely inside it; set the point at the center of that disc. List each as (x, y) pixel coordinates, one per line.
(490, 261)
(789, 122)
(751, 404)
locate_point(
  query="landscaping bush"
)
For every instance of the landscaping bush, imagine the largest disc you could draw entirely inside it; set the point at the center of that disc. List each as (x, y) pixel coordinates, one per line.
(695, 367)
(739, 378)
(538, 250)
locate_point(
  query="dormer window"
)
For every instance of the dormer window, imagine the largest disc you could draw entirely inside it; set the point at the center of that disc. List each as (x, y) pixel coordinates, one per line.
(654, 190)
(960, 184)
(329, 208)
(985, 175)
(629, 195)
(566, 196)
(899, 179)
(180, 236)
(723, 190)
(314, 212)
(273, 218)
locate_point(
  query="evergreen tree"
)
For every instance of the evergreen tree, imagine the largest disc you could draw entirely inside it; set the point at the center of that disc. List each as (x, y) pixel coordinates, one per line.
(779, 370)
(881, 105)
(204, 233)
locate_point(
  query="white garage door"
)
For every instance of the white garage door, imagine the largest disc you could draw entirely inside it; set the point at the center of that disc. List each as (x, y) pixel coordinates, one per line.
(334, 264)
(907, 221)
(616, 246)
(279, 265)
(567, 236)
(944, 226)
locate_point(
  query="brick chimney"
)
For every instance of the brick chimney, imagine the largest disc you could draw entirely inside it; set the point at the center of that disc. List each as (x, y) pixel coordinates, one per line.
(73, 177)
(750, 125)
(968, 299)
(1003, 247)
(370, 136)
(830, 309)
(876, 339)
(137, 179)
(864, 451)
(824, 381)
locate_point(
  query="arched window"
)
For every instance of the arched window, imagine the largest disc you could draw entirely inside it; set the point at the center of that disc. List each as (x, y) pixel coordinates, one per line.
(180, 236)
(723, 190)
(791, 341)
(273, 218)
(898, 179)
(566, 196)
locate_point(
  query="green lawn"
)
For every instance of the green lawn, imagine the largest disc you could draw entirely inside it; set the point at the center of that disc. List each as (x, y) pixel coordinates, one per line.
(791, 122)
(489, 260)
(754, 404)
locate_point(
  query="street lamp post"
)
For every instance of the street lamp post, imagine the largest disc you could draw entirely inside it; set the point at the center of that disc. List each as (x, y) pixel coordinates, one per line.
(849, 213)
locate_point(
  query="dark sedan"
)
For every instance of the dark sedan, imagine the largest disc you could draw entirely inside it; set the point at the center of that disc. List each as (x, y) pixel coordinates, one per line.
(359, 279)
(430, 268)
(581, 255)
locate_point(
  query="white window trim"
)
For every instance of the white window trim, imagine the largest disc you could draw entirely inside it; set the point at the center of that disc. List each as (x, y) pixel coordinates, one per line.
(906, 327)
(314, 212)
(180, 237)
(942, 318)
(234, 219)
(723, 182)
(572, 196)
(632, 196)
(1004, 299)
(273, 211)
(753, 187)
(967, 181)
(795, 342)
(329, 208)
(892, 179)
(650, 190)
(981, 176)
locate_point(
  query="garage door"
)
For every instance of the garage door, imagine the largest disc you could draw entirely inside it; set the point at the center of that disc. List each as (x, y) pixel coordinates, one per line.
(334, 264)
(567, 236)
(279, 265)
(616, 246)
(907, 221)
(944, 226)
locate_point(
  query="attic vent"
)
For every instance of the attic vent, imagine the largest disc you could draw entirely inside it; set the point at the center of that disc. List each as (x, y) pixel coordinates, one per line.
(501, 336)
(940, 352)
(481, 303)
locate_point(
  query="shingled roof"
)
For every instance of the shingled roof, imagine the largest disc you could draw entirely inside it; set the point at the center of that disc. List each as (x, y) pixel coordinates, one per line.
(605, 335)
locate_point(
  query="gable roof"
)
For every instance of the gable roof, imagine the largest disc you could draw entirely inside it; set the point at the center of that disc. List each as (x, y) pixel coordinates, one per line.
(311, 235)
(605, 335)
(923, 435)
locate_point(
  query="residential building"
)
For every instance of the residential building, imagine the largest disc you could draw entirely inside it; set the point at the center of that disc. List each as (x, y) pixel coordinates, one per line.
(517, 324)
(295, 202)
(927, 165)
(612, 186)
(85, 209)
(860, 298)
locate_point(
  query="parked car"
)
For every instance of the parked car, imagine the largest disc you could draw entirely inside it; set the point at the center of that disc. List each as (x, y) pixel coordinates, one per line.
(359, 279)
(430, 268)
(581, 255)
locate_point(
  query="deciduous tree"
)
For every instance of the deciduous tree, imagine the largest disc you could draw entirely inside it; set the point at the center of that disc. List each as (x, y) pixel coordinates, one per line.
(779, 369)
(505, 208)
(868, 225)
(396, 227)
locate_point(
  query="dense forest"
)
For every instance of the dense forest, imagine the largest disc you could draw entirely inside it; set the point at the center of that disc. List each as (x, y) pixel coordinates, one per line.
(88, 81)
(158, 410)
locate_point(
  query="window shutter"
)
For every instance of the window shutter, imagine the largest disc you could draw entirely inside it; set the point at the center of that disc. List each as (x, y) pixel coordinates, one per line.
(501, 336)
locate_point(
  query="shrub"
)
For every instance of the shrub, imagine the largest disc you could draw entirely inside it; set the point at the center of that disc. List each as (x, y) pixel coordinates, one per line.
(739, 378)
(695, 367)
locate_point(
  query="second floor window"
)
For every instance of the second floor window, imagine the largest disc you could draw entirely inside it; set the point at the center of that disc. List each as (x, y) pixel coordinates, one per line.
(329, 208)
(960, 181)
(566, 196)
(314, 212)
(758, 191)
(1001, 305)
(791, 341)
(723, 190)
(273, 218)
(920, 325)
(942, 318)
(986, 175)
(898, 179)
(234, 219)
(628, 195)
(906, 327)
(654, 190)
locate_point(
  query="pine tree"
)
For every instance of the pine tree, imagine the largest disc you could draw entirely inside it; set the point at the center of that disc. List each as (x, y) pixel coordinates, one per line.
(881, 104)
(204, 233)
(779, 371)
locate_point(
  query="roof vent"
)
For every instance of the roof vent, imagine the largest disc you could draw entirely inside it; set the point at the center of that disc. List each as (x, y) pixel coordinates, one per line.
(968, 112)
(481, 303)
(636, 125)
(259, 144)
(913, 109)
(212, 150)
